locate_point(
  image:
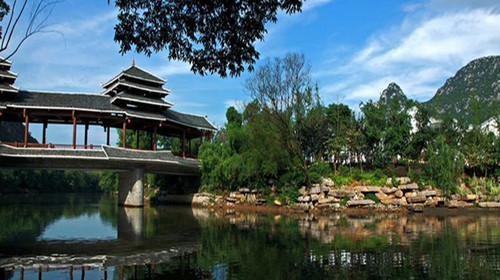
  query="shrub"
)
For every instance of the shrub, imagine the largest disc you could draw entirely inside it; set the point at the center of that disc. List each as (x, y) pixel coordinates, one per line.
(318, 170)
(372, 196)
(292, 177)
(344, 201)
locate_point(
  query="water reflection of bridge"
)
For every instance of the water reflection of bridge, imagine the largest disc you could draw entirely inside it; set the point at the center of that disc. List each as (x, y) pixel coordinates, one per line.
(134, 246)
(132, 101)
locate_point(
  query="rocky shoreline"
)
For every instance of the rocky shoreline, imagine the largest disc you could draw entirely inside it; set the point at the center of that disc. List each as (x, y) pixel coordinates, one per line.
(401, 195)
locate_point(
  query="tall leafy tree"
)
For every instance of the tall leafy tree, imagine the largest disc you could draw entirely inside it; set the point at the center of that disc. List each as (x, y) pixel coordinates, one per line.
(445, 165)
(340, 120)
(212, 36)
(397, 133)
(423, 135)
(374, 124)
(283, 88)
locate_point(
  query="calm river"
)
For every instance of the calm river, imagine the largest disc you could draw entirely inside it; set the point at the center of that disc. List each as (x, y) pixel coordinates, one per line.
(89, 237)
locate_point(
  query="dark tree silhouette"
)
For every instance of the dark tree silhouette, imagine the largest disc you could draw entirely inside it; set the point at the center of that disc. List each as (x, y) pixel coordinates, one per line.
(215, 36)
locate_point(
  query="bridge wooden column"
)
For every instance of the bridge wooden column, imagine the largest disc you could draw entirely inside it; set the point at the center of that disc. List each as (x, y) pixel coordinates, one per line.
(131, 188)
(86, 134)
(107, 135)
(183, 143)
(155, 138)
(124, 134)
(74, 129)
(26, 127)
(44, 133)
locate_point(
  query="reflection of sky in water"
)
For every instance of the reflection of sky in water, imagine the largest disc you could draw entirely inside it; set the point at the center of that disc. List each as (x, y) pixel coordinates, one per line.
(85, 227)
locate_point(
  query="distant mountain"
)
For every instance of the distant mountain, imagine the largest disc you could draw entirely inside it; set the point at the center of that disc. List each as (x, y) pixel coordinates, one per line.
(391, 93)
(480, 78)
(14, 132)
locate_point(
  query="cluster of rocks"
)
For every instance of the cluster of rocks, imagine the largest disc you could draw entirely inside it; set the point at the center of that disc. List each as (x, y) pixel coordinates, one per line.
(244, 195)
(401, 194)
(320, 196)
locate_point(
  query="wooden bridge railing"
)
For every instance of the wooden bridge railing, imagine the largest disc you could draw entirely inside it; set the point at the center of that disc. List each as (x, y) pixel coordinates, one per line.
(51, 146)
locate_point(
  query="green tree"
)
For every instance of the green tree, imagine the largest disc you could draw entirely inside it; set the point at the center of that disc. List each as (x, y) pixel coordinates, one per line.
(246, 153)
(341, 121)
(475, 143)
(445, 165)
(356, 143)
(374, 124)
(396, 137)
(283, 89)
(212, 36)
(424, 134)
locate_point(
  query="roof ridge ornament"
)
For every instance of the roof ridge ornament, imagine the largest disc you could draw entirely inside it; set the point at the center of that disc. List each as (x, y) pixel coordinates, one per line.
(133, 62)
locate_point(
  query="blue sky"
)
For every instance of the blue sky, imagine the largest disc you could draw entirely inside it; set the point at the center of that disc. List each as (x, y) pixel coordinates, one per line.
(355, 49)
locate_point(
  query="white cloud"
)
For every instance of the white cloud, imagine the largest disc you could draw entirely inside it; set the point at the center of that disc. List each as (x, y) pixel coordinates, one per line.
(452, 37)
(419, 54)
(311, 4)
(173, 67)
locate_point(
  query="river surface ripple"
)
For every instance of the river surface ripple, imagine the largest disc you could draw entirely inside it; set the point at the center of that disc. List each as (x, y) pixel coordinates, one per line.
(85, 236)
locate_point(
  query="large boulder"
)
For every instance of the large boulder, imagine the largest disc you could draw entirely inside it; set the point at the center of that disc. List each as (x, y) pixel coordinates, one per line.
(327, 182)
(489, 204)
(316, 189)
(236, 195)
(342, 193)
(458, 204)
(303, 191)
(427, 193)
(403, 180)
(411, 194)
(202, 199)
(306, 198)
(408, 187)
(469, 197)
(244, 190)
(277, 202)
(328, 200)
(416, 199)
(360, 203)
(395, 201)
(260, 201)
(388, 190)
(367, 189)
(398, 194)
(300, 207)
(381, 195)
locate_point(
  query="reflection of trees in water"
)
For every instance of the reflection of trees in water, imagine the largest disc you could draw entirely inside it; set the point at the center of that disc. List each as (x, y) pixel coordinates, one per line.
(339, 247)
(24, 218)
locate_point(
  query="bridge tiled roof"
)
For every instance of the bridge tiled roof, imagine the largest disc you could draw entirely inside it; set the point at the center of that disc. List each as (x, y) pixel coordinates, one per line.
(136, 72)
(7, 74)
(141, 87)
(124, 95)
(100, 104)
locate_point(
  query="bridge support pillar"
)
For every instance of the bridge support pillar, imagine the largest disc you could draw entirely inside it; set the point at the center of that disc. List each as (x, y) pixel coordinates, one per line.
(131, 188)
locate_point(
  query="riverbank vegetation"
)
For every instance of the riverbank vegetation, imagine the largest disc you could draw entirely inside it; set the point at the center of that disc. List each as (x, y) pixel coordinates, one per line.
(47, 181)
(287, 138)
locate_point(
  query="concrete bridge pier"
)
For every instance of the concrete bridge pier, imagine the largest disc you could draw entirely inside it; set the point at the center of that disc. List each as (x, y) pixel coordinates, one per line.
(130, 223)
(131, 188)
